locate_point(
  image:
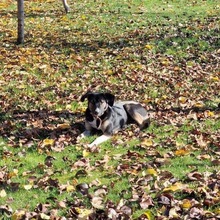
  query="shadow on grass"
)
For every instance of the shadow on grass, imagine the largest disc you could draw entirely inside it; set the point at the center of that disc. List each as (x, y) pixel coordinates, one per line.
(23, 127)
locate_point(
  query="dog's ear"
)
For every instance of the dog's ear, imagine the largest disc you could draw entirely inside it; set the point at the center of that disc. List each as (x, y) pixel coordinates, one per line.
(110, 98)
(85, 96)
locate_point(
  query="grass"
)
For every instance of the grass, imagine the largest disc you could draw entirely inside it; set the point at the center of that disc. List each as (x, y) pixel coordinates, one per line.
(161, 53)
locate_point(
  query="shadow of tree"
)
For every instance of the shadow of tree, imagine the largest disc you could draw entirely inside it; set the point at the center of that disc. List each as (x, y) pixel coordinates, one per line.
(29, 127)
(32, 127)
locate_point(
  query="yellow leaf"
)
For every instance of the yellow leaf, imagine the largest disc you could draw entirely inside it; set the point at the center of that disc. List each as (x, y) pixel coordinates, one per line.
(173, 213)
(182, 99)
(109, 72)
(165, 62)
(70, 188)
(164, 96)
(217, 211)
(215, 78)
(181, 152)
(179, 144)
(68, 106)
(3, 193)
(18, 215)
(44, 216)
(13, 173)
(147, 100)
(83, 213)
(198, 105)
(83, 17)
(64, 18)
(74, 182)
(175, 187)
(209, 113)
(147, 142)
(48, 142)
(149, 215)
(152, 171)
(186, 204)
(63, 126)
(85, 153)
(28, 187)
(81, 108)
(148, 46)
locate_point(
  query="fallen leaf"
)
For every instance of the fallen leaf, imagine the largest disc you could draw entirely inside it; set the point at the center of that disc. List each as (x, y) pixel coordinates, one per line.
(186, 204)
(3, 193)
(194, 176)
(173, 212)
(147, 142)
(28, 187)
(83, 213)
(86, 153)
(48, 142)
(181, 152)
(182, 99)
(97, 202)
(148, 214)
(44, 216)
(70, 188)
(61, 204)
(63, 126)
(195, 213)
(175, 187)
(13, 173)
(151, 171)
(148, 46)
(18, 215)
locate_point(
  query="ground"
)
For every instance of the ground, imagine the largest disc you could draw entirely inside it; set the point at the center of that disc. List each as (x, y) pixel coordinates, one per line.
(164, 54)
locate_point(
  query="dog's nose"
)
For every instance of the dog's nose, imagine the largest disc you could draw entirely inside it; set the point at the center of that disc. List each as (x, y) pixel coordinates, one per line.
(96, 112)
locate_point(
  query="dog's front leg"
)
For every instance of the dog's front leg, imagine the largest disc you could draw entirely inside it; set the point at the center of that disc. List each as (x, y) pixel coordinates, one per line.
(99, 140)
(86, 133)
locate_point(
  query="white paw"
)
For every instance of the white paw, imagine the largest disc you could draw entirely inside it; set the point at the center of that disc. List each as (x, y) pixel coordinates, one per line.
(91, 145)
(83, 135)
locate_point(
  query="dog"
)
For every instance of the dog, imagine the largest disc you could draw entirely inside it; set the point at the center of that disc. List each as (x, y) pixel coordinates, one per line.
(104, 114)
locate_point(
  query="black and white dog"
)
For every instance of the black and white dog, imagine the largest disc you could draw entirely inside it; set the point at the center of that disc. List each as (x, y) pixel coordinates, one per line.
(108, 116)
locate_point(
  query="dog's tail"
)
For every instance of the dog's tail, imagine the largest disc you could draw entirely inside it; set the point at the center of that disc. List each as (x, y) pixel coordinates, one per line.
(138, 114)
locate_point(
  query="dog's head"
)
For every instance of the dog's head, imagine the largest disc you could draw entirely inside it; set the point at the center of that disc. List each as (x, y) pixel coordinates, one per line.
(98, 102)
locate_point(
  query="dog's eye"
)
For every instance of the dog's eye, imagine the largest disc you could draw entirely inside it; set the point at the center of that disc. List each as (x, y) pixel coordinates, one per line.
(92, 101)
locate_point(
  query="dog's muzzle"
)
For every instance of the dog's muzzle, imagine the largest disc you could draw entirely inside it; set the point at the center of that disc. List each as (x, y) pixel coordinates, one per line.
(98, 112)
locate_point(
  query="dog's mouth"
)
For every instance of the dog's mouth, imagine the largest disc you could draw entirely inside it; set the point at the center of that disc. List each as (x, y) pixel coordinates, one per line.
(97, 115)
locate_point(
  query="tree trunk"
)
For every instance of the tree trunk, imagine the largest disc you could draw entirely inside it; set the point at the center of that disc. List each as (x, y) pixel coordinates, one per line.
(66, 6)
(20, 5)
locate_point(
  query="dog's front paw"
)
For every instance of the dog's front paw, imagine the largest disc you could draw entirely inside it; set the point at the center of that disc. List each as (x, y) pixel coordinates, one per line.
(79, 137)
(91, 145)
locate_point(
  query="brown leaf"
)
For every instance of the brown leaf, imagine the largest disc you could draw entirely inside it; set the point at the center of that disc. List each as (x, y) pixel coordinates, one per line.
(146, 202)
(97, 202)
(83, 188)
(126, 210)
(196, 213)
(194, 176)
